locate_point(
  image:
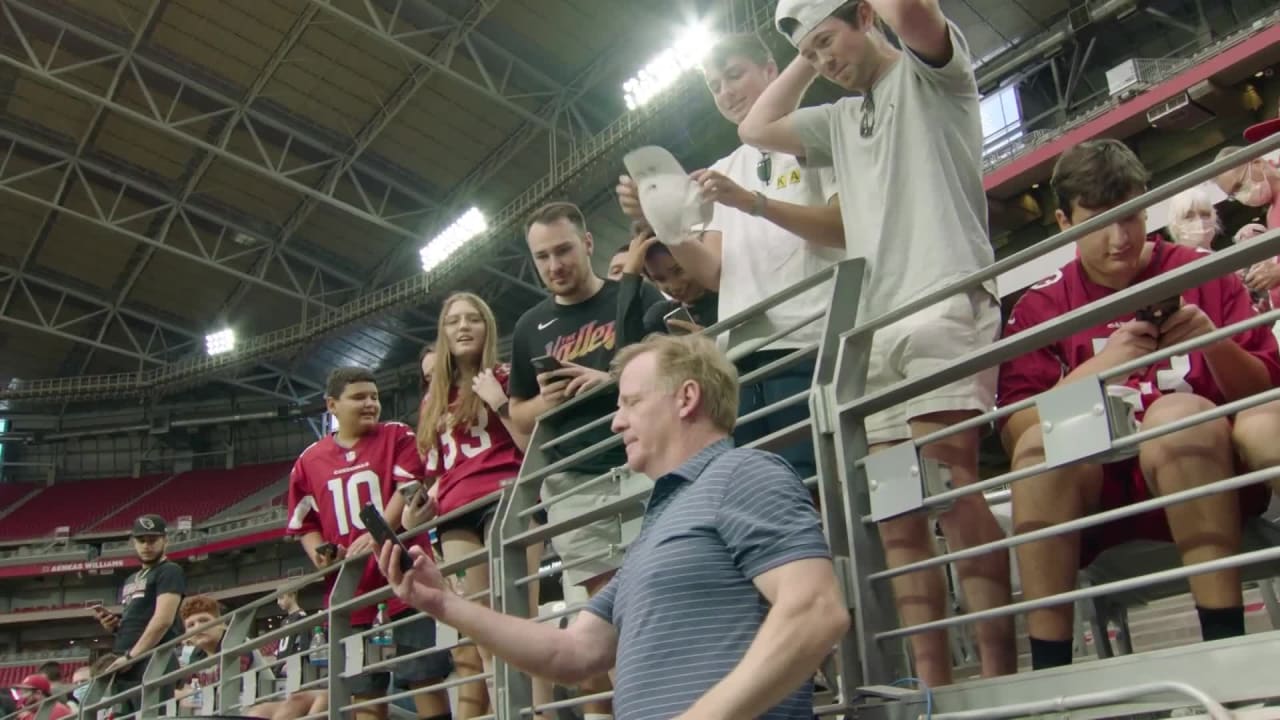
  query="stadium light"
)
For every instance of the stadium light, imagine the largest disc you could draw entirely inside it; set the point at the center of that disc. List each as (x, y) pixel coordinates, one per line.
(223, 341)
(663, 71)
(469, 225)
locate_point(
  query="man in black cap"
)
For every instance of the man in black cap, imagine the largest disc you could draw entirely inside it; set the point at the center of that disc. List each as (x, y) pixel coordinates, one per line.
(150, 600)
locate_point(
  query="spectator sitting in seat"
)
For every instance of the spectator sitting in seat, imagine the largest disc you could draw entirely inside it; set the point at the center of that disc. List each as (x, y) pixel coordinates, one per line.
(79, 686)
(648, 258)
(729, 581)
(297, 643)
(1090, 179)
(34, 690)
(1253, 184)
(52, 669)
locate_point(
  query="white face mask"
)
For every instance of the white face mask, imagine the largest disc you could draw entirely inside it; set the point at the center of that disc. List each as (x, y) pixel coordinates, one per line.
(1195, 232)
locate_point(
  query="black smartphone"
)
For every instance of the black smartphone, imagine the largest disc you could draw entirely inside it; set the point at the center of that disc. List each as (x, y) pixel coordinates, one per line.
(328, 550)
(382, 532)
(545, 364)
(1156, 314)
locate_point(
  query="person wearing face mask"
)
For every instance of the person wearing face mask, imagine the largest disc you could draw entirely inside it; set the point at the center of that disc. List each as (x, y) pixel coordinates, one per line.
(1193, 221)
(79, 686)
(648, 258)
(1254, 184)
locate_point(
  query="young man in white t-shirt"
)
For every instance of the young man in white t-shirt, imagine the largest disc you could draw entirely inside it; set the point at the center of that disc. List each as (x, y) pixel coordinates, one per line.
(907, 155)
(775, 223)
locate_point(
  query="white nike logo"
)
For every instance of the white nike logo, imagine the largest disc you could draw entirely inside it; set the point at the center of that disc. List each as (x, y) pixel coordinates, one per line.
(547, 324)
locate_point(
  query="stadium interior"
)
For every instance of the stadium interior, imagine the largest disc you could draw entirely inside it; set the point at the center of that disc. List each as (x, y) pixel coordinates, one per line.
(182, 173)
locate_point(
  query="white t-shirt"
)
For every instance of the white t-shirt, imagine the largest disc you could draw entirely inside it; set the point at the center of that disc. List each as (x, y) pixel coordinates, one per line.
(911, 194)
(758, 258)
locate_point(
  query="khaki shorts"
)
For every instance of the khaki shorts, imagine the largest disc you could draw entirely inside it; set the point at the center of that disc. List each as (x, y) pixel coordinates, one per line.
(927, 342)
(593, 540)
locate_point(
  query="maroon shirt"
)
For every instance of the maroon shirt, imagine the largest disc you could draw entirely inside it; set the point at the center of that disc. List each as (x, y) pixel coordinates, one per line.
(471, 461)
(329, 484)
(1225, 300)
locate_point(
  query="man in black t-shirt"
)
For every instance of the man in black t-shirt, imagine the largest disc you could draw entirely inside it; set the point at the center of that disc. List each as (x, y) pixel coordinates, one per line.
(578, 326)
(150, 599)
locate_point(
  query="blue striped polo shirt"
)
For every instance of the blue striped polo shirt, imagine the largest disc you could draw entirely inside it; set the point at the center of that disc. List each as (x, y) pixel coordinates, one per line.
(683, 603)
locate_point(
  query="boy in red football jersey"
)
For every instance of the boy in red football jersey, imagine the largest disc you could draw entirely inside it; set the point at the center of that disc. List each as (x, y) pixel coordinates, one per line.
(365, 461)
(1090, 179)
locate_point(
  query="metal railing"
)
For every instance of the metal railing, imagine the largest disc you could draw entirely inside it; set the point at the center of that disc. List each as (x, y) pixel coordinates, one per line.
(872, 657)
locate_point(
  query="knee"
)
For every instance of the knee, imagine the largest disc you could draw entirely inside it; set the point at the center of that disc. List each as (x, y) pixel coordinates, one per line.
(1256, 435)
(1210, 437)
(1028, 449)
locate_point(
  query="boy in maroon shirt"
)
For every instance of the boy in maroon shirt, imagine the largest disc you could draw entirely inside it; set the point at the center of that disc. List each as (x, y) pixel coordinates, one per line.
(365, 461)
(1090, 179)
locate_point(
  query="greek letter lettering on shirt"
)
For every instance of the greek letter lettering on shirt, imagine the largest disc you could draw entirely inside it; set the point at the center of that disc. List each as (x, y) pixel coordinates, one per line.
(586, 340)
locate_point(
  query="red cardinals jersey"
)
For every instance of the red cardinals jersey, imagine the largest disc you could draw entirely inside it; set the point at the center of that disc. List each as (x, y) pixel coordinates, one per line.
(1225, 300)
(471, 461)
(330, 484)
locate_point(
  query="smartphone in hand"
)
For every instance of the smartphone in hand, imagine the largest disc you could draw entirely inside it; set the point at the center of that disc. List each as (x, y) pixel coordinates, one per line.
(377, 526)
(1156, 314)
(545, 364)
(680, 313)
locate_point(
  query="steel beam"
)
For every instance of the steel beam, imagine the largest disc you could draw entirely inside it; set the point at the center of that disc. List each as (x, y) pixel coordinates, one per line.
(387, 112)
(264, 166)
(208, 91)
(374, 25)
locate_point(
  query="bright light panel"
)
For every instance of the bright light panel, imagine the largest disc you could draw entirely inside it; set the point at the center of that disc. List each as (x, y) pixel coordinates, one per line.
(663, 71)
(223, 341)
(471, 224)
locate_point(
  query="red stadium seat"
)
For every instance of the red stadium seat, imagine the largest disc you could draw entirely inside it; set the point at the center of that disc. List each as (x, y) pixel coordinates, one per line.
(198, 493)
(75, 504)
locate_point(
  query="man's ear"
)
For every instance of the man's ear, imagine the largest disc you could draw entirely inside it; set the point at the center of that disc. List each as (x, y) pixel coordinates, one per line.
(1064, 222)
(689, 397)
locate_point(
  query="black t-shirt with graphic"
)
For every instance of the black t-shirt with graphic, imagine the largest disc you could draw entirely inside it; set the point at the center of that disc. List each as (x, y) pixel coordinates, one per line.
(585, 334)
(139, 599)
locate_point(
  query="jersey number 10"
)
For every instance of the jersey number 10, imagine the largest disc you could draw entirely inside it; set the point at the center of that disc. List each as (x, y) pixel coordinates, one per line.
(346, 498)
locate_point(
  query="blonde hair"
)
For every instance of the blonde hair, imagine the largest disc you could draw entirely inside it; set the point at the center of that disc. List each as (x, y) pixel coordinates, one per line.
(691, 358)
(436, 415)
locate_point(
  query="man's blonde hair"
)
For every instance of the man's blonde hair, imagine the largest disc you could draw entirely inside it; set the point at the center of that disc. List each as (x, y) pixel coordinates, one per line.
(691, 357)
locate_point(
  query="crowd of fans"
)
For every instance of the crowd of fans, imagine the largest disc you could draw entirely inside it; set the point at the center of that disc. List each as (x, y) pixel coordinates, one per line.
(726, 602)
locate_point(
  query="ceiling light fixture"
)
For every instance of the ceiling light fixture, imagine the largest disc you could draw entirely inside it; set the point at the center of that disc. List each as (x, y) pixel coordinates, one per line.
(664, 70)
(466, 227)
(218, 343)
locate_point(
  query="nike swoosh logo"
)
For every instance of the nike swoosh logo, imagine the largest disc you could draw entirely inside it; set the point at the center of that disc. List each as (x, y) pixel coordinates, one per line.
(547, 324)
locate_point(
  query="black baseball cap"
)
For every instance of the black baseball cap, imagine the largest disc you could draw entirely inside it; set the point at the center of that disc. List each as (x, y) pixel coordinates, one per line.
(148, 525)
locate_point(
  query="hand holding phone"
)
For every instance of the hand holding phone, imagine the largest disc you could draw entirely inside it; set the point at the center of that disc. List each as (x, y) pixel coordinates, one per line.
(381, 532)
(545, 363)
(1158, 313)
(684, 321)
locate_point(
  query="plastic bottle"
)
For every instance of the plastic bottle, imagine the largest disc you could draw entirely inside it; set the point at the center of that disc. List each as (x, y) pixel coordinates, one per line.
(319, 650)
(381, 635)
(197, 694)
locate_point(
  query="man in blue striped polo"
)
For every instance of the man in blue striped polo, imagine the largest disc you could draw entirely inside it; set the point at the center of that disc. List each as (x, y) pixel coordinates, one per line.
(726, 602)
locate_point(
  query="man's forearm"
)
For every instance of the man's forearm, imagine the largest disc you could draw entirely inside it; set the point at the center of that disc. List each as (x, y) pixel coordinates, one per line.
(817, 224)
(524, 413)
(533, 647)
(787, 650)
(150, 636)
(779, 99)
(1237, 373)
(310, 541)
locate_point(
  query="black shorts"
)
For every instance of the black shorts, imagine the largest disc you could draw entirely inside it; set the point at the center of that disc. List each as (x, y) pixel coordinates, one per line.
(410, 638)
(473, 521)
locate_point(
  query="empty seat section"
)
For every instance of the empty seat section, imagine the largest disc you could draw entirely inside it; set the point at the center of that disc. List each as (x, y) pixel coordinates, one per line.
(198, 493)
(11, 493)
(76, 504)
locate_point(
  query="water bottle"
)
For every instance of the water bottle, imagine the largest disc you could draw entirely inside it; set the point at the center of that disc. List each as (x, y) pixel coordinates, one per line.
(381, 635)
(197, 694)
(319, 650)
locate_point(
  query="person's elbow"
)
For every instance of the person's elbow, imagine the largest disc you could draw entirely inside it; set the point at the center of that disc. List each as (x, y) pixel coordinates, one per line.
(819, 617)
(753, 132)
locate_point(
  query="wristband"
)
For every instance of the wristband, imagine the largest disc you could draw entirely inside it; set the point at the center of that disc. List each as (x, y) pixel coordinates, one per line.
(504, 409)
(757, 208)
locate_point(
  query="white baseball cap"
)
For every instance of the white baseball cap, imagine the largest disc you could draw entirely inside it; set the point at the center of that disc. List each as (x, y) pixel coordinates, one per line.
(800, 17)
(668, 196)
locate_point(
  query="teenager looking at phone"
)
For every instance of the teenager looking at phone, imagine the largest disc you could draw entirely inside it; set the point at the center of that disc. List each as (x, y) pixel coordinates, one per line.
(150, 600)
(471, 448)
(363, 462)
(1088, 180)
(692, 306)
(577, 327)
